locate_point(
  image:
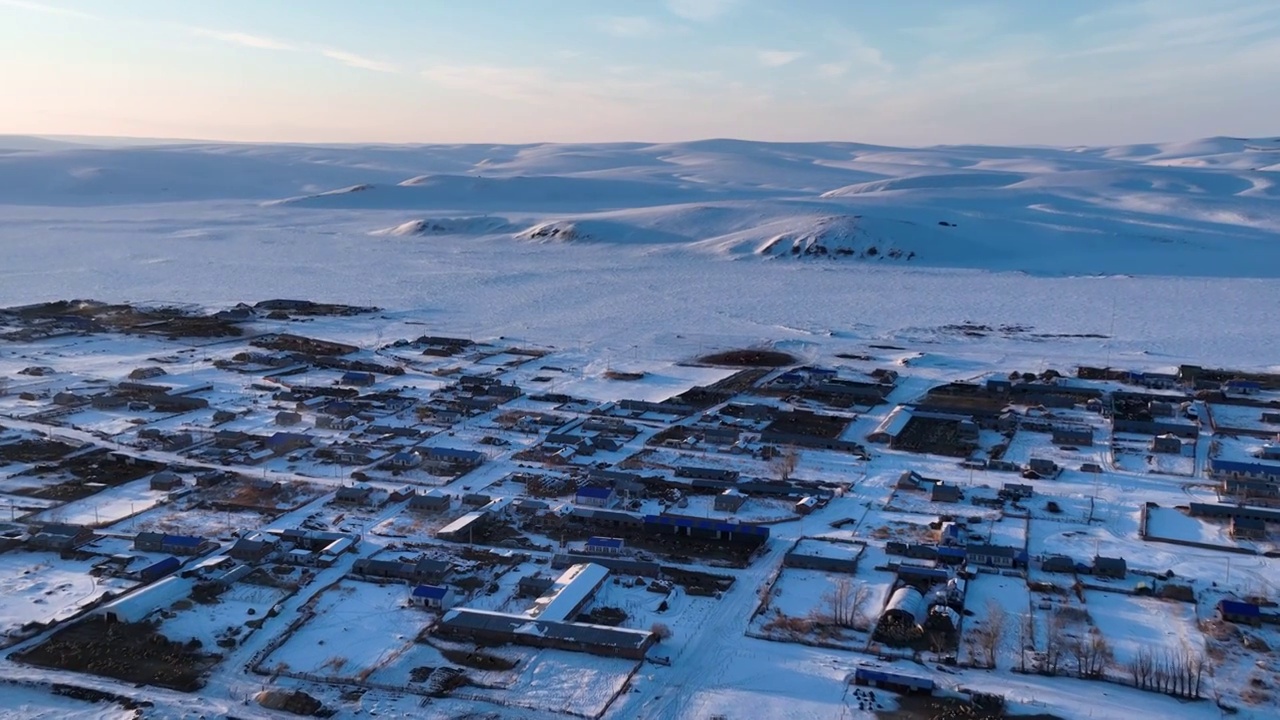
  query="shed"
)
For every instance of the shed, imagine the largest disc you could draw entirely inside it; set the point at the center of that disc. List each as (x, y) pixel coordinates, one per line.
(1243, 613)
(895, 682)
(159, 569)
(1110, 567)
(605, 545)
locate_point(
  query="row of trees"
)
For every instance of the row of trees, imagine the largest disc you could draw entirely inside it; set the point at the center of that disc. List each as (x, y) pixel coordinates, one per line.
(1173, 673)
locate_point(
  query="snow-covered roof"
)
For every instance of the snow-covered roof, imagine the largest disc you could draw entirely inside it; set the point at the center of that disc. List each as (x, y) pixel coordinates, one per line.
(570, 590)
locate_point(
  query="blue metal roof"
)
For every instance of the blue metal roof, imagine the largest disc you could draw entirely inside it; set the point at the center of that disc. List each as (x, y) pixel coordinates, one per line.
(593, 491)
(702, 524)
(431, 592)
(162, 566)
(1235, 607)
(891, 677)
(952, 552)
(607, 542)
(1244, 467)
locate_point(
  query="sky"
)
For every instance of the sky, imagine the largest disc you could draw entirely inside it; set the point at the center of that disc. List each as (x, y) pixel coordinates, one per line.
(908, 72)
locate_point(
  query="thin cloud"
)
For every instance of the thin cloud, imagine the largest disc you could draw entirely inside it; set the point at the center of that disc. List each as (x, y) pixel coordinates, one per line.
(628, 26)
(359, 61)
(778, 58)
(261, 42)
(245, 39)
(39, 7)
(700, 10)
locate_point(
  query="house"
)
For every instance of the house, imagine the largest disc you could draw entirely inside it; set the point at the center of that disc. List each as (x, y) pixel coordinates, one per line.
(826, 556)
(534, 585)
(1016, 491)
(453, 456)
(434, 597)
(159, 569)
(283, 443)
(995, 556)
(252, 548)
(172, 544)
(60, 537)
(404, 460)
(357, 379)
(594, 496)
(1248, 528)
(165, 481)
(1043, 467)
(805, 505)
(286, 418)
(1074, 436)
(354, 495)
(729, 501)
(1168, 444)
(1058, 564)
(433, 501)
(604, 545)
(1110, 567)
(1271, 417)
(944, 492)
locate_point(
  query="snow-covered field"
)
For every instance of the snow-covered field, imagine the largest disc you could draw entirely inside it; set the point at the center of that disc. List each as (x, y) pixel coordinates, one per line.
(1099, 241)
(41, 587)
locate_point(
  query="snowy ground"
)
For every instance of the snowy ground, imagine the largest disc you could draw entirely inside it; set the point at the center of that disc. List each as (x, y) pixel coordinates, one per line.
(41, 587)
(358, 627)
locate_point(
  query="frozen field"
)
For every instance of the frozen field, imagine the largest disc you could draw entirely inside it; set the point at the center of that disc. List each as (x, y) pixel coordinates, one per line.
(643, 258)
(42, 588)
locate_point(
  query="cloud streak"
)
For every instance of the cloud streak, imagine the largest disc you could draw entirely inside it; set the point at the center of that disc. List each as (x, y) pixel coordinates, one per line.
(262, 42)
(31, 6)
(700, 10)
(258, 42)
(778, 58)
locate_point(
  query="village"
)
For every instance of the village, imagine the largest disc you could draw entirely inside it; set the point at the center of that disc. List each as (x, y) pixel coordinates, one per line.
(277, 502)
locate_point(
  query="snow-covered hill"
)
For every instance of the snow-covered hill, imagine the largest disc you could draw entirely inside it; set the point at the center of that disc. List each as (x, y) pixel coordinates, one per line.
(1206, 207)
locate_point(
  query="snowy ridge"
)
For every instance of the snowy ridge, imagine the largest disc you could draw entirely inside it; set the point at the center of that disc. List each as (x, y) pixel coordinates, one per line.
(1205, 207)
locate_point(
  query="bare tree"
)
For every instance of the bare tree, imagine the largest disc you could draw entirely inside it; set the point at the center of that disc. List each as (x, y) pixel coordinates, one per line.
(661, 631)
(989, 636)
(1055, 643)
(845, 603)
(785, 463)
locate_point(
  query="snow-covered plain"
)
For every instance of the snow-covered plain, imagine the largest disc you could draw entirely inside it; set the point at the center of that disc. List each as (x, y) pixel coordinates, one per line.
(1170, 248)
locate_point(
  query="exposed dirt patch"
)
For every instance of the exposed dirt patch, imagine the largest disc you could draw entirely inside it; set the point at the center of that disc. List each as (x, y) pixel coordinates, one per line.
(749, 358)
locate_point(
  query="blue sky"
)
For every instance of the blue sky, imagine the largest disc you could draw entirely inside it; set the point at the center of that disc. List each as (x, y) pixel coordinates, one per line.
(915, 72)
